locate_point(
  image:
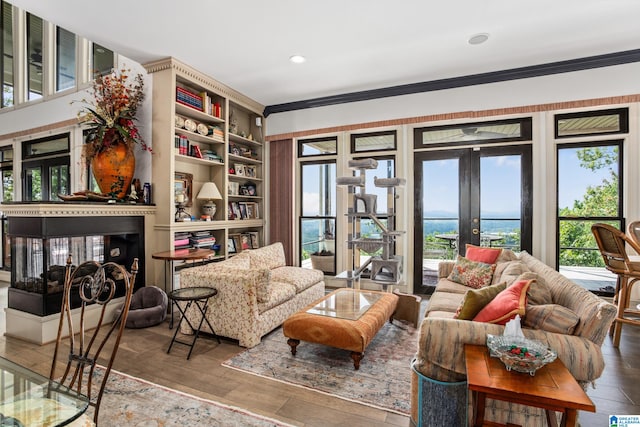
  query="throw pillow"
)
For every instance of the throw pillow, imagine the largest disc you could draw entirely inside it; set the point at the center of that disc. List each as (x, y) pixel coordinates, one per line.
(512, 271)
(482, 254)
(475, 300)
(471, 273)
(538, 293)
(506, 304)
(551, 318)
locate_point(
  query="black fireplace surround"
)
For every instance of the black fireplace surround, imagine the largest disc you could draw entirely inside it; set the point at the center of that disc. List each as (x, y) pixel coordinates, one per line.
(40, 247)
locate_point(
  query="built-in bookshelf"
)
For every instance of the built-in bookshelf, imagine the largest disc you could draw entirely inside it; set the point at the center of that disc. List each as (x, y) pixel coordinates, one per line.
(204, 131)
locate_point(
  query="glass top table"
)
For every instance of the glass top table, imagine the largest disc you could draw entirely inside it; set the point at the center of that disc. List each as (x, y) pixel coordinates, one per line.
(30, 399)
(347, 304)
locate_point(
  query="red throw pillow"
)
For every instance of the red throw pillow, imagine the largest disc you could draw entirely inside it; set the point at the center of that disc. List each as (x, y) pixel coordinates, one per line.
(506, 304)
(481, 254)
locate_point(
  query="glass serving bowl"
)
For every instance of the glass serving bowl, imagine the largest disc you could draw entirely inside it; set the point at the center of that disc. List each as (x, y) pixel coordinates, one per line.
(520, 354)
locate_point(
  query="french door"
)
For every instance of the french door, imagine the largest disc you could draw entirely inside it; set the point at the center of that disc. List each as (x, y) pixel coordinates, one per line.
(479, 195)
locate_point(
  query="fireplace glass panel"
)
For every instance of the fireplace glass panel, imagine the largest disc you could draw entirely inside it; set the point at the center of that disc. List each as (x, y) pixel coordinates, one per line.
(37, 256)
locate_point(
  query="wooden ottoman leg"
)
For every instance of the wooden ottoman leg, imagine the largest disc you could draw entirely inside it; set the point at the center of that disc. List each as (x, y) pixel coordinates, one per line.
(357, 357)
(293, 344)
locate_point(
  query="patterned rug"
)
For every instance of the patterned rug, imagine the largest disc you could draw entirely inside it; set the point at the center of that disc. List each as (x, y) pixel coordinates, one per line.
(383, 380)
(130, 401)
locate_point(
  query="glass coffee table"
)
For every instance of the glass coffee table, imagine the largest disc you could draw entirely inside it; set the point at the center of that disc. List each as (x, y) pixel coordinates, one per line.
(346, 318)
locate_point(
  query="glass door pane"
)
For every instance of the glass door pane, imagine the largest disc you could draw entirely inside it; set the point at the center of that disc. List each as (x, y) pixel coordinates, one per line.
(33, 184)
(58, 181)
(500, 201)
(440, 207)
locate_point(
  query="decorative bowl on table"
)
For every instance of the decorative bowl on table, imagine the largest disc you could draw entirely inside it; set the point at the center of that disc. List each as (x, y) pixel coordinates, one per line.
(520, 354)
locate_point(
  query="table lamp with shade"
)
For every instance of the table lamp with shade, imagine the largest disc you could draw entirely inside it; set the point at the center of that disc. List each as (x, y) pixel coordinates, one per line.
(209, 192)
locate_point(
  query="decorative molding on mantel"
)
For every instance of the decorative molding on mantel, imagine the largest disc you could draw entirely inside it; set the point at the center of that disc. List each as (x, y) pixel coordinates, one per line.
(75, 209)
(206, 81)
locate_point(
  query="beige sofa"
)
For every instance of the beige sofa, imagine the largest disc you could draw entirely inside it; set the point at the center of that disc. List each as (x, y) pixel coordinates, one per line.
(441, 347)
(256, 293)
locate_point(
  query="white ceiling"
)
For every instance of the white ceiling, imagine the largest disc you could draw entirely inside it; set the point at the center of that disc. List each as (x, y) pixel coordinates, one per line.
(350, 45)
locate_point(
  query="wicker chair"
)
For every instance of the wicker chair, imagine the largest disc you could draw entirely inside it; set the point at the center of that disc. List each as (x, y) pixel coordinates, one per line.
(613, 248)
(79, 350)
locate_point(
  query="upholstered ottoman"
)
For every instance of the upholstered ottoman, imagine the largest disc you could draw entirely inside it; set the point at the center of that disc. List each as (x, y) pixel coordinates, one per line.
(346, 318)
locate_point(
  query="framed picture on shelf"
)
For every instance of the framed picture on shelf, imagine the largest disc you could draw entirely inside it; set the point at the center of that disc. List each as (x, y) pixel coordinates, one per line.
(239, 167)
(250, 210)
(251, 189)
(183, 184)
(250, 171)
(245, 241)
(244, 191)
(236, 210)
(233, 149)
(237, 242)
(254, 210)
(231, 246)
(234, 188)
(230, 213)
(243, 210)
(254, 239)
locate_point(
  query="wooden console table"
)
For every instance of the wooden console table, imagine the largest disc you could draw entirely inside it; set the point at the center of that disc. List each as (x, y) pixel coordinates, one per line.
(553, 388)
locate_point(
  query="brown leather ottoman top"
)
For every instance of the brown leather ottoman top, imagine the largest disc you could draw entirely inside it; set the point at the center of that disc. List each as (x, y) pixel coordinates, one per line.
(346, 318)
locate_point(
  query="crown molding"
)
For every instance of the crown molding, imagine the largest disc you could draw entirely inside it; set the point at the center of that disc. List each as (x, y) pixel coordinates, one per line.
(599, 61)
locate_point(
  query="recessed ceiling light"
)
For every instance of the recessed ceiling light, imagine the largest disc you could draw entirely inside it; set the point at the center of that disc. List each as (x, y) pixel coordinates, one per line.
(297, 59)
(478, 38)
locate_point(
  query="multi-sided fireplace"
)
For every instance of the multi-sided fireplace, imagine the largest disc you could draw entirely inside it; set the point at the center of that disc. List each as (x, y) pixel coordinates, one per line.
(40, 247)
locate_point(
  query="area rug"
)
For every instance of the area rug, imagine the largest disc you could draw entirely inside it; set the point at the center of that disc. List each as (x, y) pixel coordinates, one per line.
(383, 380)
(130, 401)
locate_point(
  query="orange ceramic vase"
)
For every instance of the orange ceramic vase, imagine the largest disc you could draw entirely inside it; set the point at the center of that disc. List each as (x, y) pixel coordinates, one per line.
(114, 169)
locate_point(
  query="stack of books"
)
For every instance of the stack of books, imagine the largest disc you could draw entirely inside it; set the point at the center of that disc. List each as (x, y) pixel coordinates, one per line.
(181, 240)
(215, 132)
(211, 155)
(202, 239)
(189, 99)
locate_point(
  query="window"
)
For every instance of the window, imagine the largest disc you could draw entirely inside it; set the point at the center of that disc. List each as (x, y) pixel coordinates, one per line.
(599, 122)
(65, 59)
(589, 191)
(463, 134)
(317, 146)
(376, 141)
(6, 54)
(34, 56)
(102, 60)
(317, 210)
(6, 167)
(45, 168)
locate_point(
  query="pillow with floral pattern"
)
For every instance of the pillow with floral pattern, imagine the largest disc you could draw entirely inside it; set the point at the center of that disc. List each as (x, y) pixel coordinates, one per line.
(472, 273)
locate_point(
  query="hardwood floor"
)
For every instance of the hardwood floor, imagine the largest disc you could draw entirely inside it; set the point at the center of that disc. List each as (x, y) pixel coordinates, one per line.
(143, 354)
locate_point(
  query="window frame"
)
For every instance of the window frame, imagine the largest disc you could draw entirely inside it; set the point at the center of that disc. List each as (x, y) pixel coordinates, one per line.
(354, 137)
(326, 218)
(302, 142)
(623, 114)
(620, 219)
(526, 133)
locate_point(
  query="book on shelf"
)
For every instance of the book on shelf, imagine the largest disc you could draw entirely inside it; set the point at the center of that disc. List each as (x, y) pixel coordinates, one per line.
(206, 102)
(189, 99)
(197, 152)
